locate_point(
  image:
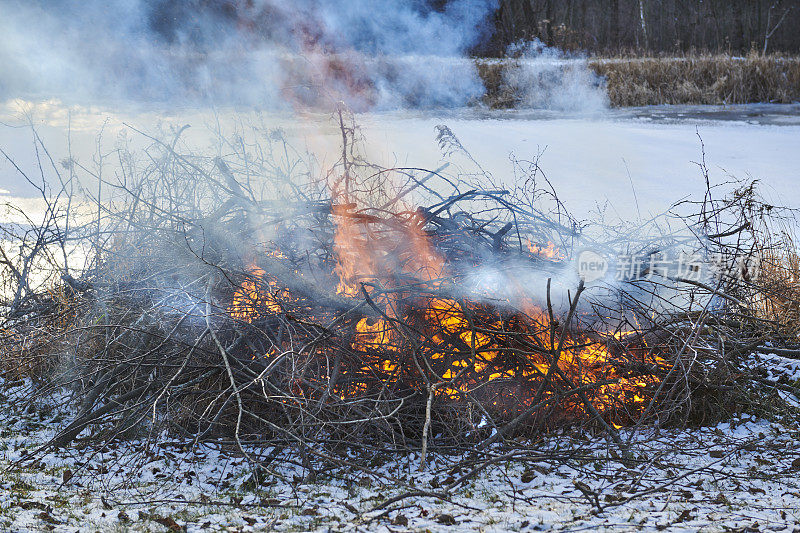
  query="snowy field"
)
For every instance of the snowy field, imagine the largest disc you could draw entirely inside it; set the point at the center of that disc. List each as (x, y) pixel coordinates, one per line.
(630, 163)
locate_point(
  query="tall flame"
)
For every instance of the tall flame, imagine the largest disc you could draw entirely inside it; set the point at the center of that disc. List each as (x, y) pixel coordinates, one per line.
(369, 249)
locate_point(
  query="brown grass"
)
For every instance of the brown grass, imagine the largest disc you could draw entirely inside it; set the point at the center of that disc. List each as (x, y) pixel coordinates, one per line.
(691, 80)
(35, 349)
(715, 80)
(498, 94)
(780, 276)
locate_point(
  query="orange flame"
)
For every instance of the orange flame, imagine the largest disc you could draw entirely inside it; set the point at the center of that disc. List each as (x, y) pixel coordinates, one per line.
(254, 298)
(548, 251)
(367, 252)
(461, 354)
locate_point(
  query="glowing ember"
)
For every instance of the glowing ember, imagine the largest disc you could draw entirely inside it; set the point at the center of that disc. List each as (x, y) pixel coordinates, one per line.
(549, 250)
(254, 298)
(462, 347)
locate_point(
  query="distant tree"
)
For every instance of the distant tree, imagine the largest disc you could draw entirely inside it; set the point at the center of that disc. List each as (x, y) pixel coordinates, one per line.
(770, 30)
(660, 26)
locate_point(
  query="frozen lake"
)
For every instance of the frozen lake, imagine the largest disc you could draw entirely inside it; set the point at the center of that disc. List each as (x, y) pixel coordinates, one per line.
(592, 160)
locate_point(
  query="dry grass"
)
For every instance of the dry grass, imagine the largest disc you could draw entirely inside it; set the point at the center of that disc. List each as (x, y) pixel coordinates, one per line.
(498, 95)
(715, 80)
(692, 80)
(36, 349)
(780, 275)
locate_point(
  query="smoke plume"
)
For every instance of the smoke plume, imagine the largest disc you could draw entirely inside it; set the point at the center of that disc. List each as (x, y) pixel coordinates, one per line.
(546, 78)
(368, 53)
(273, 54)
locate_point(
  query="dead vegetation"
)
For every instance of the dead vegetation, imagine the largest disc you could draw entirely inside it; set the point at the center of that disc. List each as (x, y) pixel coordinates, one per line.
(717, 80)
(252, 299)
(690, 80)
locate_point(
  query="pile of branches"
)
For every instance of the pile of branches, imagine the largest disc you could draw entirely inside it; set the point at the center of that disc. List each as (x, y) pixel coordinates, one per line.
(250, 299)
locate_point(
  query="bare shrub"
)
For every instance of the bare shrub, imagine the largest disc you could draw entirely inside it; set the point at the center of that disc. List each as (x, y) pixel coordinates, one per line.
(258, 300)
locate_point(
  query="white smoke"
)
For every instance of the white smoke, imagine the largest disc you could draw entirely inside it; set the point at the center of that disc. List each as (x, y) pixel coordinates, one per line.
(272, 54)
(547, 78)
(268, 53)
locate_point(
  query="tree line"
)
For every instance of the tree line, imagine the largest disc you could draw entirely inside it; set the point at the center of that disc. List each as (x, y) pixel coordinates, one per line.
(651, 26)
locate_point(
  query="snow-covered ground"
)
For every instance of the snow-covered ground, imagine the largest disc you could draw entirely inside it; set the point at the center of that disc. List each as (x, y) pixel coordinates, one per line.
(741, 475)
(637, 161)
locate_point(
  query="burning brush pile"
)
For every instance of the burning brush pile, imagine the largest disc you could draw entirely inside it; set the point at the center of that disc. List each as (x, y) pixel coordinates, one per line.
(254, 299)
